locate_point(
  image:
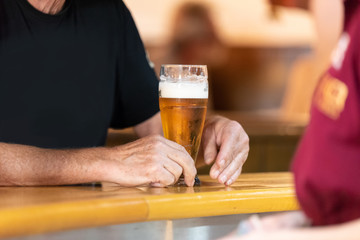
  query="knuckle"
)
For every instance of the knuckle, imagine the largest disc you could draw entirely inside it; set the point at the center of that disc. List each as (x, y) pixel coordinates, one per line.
(210, 155)
(158, 137)
(153, 153)
(245, 151)
(178, 172)
(182, 148)
(207, 131)
(246, 139)
(194, 171)
(234, 130)
(186, 158)
(171, 181)
(243, 160)
(177, 175)
(191, 172)
(190, 162)
(155, 138)
(154, 168)
(234, 125)
(231, 169)
(168, 180)
(157, 144)
(155, 163)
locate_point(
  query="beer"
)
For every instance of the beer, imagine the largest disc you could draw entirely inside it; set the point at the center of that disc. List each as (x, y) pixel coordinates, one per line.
(183, 121)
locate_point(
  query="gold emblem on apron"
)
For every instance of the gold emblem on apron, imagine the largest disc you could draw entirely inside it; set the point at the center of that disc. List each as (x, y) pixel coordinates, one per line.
(330, 96)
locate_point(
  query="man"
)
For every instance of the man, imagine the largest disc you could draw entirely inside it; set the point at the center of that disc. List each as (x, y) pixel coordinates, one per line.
(69, 70)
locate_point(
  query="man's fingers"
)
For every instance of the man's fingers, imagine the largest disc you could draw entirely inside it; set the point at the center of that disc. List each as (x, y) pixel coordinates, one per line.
(187, 164)
(225, 156)
(233, 178)
(229, 174)
(228, 165)
(163, 178)
(209, 146)
(174, 168)
(179, 156)
(233, 153)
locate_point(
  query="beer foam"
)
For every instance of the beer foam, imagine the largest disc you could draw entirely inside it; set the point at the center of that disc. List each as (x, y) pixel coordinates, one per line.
(176, 89)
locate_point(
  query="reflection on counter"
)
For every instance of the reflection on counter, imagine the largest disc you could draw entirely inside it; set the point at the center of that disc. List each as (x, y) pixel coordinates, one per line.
(245, 182)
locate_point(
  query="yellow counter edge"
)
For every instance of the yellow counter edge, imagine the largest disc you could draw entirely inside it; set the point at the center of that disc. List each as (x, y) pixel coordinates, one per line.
(73, 215)
(95, 213)
(224, 203)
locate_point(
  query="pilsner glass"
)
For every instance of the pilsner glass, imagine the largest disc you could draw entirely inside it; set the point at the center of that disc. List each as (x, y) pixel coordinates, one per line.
(183, 96)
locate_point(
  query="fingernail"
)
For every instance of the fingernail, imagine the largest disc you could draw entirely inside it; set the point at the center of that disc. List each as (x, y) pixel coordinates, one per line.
(223, 179)
(229, 182)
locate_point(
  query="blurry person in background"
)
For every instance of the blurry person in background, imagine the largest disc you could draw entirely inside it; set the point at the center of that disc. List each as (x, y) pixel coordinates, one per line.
(194, 38)
(71, 69)
(327, 163)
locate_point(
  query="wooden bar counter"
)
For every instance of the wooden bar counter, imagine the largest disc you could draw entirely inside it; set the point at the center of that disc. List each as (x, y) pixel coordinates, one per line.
(39, 210)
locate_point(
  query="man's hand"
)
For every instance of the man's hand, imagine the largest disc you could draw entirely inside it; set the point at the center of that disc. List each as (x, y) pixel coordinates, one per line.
(152, 160)
(227, 145)
(224, 142)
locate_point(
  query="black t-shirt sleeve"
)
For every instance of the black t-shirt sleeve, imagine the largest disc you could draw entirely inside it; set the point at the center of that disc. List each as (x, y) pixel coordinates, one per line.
(136, 94)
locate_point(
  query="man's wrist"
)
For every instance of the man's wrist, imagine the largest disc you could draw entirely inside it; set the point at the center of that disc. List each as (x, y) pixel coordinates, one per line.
(103, 165)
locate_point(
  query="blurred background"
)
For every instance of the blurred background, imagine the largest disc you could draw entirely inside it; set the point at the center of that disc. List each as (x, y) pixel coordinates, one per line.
(264, 58)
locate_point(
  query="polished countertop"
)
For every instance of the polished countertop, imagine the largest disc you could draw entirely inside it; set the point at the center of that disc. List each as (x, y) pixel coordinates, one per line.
(32, 210)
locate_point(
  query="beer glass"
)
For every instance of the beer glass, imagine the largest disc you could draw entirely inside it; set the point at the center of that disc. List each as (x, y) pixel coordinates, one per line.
(183, 96)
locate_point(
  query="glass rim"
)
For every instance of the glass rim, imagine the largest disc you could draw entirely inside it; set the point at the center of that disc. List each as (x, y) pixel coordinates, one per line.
(184, 65)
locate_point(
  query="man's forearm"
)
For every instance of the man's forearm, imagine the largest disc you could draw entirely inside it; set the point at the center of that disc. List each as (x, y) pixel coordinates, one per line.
(28, 166)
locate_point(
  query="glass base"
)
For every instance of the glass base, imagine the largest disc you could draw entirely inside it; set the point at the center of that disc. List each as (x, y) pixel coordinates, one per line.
(181, 182)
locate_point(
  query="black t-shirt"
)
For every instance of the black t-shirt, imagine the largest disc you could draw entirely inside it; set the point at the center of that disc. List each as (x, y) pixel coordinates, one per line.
(66, 78)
